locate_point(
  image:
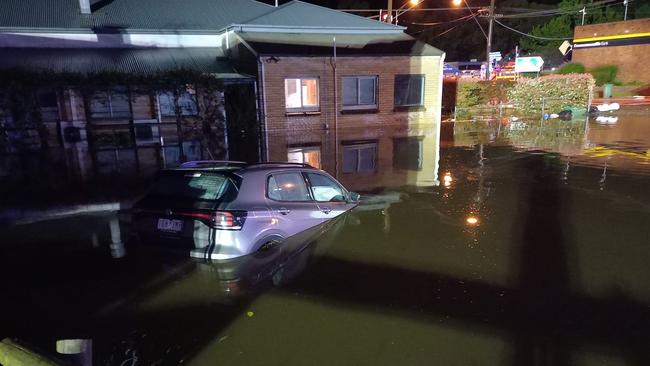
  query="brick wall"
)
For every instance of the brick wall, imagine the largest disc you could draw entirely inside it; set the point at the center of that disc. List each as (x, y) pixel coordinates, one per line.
(279, 68)
(631, 60)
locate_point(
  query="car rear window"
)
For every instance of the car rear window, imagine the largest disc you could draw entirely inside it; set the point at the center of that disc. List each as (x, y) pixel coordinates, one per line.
(194, 185)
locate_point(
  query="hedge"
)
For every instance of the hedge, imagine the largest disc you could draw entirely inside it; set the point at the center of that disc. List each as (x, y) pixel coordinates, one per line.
(552, 93)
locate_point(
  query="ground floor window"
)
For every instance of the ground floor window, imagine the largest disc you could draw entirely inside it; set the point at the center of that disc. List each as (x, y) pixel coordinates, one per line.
(305, 155)
(186, 102)
(359, 158)
(407, 153)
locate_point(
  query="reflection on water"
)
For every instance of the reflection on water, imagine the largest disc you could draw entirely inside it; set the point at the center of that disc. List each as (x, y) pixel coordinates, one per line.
(487, 242)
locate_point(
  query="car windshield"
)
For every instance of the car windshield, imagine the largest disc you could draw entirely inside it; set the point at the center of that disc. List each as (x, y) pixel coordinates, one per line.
(194, 185)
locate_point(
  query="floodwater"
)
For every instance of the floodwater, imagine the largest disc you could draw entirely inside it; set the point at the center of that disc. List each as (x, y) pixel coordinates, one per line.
(495, 242)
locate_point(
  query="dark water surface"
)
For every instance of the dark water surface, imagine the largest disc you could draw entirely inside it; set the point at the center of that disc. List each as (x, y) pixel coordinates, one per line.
(495, 242)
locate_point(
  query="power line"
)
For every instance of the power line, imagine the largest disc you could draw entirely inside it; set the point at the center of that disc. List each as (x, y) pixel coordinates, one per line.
(530, 35)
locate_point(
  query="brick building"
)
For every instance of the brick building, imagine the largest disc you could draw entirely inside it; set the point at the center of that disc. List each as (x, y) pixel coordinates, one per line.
(625, 44)
(300, 66)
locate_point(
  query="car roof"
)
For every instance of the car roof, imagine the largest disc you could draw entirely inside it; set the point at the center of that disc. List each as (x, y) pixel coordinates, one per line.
(239, 166)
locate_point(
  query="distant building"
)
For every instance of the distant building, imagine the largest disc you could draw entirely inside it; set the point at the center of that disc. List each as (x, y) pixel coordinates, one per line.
(624, 44)
(300, 66)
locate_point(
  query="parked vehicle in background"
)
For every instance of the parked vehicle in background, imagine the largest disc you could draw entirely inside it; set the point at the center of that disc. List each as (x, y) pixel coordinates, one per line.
(223, 209)
(470, 69)
(450, 71)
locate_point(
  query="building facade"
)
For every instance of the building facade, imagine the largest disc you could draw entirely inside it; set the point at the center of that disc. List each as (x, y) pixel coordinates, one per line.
(296, 67)
(624, 44)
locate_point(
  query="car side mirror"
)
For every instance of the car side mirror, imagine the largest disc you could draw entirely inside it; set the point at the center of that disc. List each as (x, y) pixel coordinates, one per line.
(354, 197)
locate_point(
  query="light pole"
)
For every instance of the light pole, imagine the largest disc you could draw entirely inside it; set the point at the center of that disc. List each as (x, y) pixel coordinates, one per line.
(488, 36)
(390, 18)
(489, 40)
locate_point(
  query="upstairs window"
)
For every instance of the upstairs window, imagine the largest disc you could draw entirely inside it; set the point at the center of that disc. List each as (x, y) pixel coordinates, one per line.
(111, 103)
(186, 102)
(301, 94)
(360, 92)
(409, 90)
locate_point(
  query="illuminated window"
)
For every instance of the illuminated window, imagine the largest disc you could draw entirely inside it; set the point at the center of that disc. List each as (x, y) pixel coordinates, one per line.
(305, 155)
(186, 102)
(409, 90)
(301, 94)
(359, 158)
(359, 92)
(111, 103)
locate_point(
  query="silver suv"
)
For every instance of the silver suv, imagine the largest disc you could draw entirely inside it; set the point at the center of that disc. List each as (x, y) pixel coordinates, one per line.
(224, 209)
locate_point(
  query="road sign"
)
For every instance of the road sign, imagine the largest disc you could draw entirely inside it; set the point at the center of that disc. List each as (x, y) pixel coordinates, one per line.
(529, 64)
(565, 47)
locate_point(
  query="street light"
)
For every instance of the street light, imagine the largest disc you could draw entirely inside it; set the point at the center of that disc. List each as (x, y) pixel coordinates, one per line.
(488, 36)
(397, 12)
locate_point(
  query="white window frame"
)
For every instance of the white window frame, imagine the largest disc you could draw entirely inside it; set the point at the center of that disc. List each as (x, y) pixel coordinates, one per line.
(422, 76)
(358, 104)
(302, 107)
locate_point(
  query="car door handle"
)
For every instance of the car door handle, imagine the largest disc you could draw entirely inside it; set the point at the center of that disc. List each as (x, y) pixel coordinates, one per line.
(284, 211)
(326, 210)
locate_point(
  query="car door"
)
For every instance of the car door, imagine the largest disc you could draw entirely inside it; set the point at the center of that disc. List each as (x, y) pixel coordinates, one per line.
(290, 202)
(332, 199)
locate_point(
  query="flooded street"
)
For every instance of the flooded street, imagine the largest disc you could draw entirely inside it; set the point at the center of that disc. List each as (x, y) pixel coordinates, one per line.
(492, 242)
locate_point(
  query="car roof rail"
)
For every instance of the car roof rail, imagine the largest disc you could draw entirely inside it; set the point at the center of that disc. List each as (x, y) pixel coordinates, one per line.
(212, 163)
(279, 164)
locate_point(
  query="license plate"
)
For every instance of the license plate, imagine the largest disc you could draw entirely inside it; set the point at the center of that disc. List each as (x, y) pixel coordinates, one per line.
(168, 225)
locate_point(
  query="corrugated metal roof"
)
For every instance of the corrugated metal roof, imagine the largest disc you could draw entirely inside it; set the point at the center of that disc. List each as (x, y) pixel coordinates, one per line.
(130, 14)
(299, 14)
(137, 61)
(346, 44)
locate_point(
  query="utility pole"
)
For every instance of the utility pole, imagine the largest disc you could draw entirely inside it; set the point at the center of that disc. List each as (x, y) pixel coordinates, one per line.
(625, 15)
(583, 11)
(389, 18)
(489, 40)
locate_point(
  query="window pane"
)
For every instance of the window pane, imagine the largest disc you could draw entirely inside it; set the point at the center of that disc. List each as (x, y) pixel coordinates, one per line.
(415, 90)
(119, 103)
(288, 187)
(367, 159)
(407, 153)
(188, 105)
(99, 105)
(367, 91)
(350, 96)
(350, 159)
(292, 93)
(308, 155)
(324, 189)
(166, 100)
(197, 186)
(310, 93)
(312, 157)
(408, 89)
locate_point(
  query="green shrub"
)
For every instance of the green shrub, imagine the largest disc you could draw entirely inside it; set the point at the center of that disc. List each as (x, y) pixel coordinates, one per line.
(470, 94)
(552, 93)
(571, 68)
(604, 74)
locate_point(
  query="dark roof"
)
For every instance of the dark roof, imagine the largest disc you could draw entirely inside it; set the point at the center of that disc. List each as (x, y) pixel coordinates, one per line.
(299, 14)
(346, 44)
(130, 14)
(140, 61)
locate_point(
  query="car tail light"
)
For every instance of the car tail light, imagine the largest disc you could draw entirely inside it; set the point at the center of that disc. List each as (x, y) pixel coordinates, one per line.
(227, 220)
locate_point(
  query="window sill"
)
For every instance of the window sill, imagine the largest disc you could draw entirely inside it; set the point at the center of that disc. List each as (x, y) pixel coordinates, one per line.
(360, 111)
(410, 108)
(302, 113)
